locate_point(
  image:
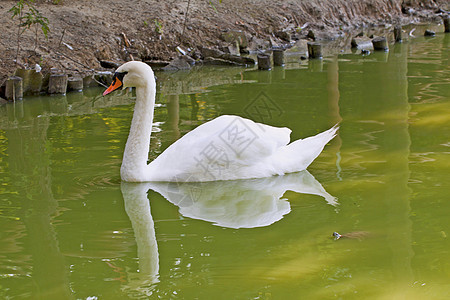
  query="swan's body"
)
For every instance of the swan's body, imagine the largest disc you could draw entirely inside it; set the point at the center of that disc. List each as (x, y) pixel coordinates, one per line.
(226, 148)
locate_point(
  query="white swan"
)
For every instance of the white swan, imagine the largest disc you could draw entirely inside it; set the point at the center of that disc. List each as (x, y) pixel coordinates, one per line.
(226, 148)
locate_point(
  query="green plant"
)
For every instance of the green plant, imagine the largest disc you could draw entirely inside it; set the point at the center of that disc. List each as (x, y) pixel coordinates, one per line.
(34, 17)
(158, 27)
(213, 6)
(28, 16)
(17, 11)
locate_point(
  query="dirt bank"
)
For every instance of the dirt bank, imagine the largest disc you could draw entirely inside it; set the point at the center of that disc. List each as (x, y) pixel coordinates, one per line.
(82, 32)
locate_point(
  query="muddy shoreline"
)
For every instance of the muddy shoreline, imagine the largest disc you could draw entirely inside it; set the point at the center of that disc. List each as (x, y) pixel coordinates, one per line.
(87, 37)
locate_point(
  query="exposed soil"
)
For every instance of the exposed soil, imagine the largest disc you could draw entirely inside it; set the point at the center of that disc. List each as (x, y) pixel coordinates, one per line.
(82, 32)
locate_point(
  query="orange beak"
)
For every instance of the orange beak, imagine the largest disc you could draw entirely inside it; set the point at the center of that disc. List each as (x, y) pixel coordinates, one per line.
(116, 84)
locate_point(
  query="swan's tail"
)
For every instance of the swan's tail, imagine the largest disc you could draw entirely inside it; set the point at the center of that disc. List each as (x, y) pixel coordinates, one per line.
(298, 155)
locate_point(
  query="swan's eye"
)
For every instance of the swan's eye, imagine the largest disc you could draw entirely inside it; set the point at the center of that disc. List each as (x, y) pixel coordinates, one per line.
(120, 75)
(116, 83)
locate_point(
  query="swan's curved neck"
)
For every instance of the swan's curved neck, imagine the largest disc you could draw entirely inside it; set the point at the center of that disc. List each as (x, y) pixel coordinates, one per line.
(134, 164)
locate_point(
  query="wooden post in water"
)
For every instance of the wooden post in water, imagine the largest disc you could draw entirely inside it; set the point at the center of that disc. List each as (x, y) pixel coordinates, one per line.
(31, 81)
(75, 84)
(314, 50)
(14, 88)
(263, 62)
(57, 84)
(278, 57)
(398, 33)
(446, 19)
(380, 43)
(35, 83)
(25, 75)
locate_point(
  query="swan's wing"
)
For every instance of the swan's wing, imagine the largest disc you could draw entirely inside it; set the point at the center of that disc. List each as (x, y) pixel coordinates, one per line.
(242, 136)
(227, 147)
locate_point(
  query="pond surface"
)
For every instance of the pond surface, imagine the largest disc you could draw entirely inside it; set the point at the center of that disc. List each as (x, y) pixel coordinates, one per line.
(69, 229)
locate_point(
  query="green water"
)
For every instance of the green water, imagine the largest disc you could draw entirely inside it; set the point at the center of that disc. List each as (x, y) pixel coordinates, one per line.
(69, 229)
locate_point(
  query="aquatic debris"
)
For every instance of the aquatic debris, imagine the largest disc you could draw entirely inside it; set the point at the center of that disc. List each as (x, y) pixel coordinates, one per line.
(429, 33)
(351, 235)
(336, 235)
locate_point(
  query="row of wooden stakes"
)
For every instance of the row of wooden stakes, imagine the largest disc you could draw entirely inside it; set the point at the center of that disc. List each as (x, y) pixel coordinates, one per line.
(32, 82)
(315, 49)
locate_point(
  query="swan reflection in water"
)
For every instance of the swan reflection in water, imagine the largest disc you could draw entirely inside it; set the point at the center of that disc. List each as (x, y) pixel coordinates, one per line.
(232, 204)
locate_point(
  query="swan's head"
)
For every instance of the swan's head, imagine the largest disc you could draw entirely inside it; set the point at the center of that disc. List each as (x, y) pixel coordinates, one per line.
(131, 74)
